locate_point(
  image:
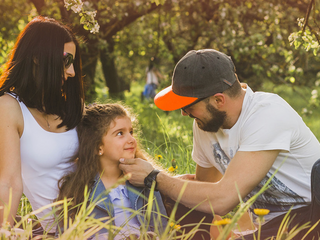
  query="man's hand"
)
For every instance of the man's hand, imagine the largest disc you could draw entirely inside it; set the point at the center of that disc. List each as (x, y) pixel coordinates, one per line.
(138, 168)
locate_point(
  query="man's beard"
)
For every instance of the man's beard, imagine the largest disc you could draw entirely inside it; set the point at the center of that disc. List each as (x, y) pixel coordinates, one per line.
(215, 122)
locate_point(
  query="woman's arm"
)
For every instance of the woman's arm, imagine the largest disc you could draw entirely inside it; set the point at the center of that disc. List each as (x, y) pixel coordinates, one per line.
(11, 127)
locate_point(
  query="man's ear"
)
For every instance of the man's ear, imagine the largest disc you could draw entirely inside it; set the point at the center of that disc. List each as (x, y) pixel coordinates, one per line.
(218, 100)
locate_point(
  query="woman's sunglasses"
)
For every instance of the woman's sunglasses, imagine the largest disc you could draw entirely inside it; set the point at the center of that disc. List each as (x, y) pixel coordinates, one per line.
(67, 60)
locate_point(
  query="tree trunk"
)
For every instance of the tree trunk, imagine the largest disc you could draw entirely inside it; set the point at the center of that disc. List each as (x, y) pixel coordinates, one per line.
(110, 72)
(89, 57)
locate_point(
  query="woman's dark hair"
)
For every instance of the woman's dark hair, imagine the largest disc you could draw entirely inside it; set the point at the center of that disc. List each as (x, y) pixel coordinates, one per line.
(35, 71)
(93, 126)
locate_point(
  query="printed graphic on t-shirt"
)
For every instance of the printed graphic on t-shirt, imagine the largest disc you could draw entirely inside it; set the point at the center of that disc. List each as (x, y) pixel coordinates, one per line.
(278, 197)
(220, 157)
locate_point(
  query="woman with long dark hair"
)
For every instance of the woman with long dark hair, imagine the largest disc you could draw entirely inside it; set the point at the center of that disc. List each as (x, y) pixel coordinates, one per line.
(41, 103)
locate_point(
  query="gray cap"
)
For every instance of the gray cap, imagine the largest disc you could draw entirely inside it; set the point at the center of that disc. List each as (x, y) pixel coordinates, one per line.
(203, 73)
(198, 74)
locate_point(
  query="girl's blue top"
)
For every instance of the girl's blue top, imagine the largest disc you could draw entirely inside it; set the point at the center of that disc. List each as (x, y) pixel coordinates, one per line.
(136, 198)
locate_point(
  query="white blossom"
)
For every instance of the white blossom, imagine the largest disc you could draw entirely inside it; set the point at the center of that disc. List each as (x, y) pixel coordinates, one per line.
(279, 36)
(91, 15)
(95, 29)
(76, 8)
(75, 5)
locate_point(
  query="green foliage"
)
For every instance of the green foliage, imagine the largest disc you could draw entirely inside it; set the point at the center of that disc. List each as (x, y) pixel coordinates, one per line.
(87, 17)
(308, 38)
(254, 33)
(158, 2)
(12, 21)
(304, 38)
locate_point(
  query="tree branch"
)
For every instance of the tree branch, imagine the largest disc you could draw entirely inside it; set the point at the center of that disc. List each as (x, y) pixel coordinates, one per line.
(39, 4)
(307, 15)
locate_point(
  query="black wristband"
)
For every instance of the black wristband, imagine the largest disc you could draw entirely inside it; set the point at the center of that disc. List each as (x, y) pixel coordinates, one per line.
(151, 178)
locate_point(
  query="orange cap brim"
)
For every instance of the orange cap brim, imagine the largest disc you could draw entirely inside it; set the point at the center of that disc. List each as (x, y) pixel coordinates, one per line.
(167, 100)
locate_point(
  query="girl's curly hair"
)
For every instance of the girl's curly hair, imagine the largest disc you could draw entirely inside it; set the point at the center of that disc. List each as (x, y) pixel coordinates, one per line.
(93, 126)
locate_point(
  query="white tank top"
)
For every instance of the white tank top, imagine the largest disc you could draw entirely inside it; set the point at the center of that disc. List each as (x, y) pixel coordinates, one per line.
(44, 160)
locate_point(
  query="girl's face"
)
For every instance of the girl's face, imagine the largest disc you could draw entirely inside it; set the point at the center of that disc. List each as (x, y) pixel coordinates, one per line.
(68, 52)
(118, 142)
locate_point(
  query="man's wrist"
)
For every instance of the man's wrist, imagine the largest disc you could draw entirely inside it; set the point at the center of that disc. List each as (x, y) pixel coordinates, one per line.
(152, 177)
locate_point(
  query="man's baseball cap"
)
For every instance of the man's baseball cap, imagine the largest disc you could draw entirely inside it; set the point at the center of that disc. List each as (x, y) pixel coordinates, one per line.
(199, 74)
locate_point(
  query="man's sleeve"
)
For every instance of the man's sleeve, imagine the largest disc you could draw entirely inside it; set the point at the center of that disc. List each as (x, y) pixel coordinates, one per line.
(200, 142)
(268, 128)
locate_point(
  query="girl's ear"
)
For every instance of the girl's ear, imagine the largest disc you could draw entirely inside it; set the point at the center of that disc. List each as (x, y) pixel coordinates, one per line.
(100, 151)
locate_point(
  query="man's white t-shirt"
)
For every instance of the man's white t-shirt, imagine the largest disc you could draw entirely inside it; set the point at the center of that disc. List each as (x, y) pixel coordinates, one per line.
(266, 122)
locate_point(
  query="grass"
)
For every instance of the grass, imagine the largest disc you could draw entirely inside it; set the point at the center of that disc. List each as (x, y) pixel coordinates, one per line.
(168, 138)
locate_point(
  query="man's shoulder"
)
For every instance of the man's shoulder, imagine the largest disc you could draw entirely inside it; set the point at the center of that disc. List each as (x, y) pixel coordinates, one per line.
(267, 104)
(267, 97)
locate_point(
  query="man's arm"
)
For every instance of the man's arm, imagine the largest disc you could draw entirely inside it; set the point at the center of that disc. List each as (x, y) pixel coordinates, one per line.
(207, 174)
(245, 170)
(202, 174)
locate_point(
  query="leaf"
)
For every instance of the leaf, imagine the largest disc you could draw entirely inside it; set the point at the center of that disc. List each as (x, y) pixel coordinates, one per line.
(315, 51)
(292, 79)
(82, 19)
(86, 27)
(297, 44)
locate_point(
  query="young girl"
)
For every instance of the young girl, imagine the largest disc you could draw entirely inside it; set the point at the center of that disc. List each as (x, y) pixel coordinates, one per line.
(106, 135)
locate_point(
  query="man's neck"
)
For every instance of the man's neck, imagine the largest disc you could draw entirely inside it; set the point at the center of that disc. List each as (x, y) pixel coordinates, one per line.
(234, 109)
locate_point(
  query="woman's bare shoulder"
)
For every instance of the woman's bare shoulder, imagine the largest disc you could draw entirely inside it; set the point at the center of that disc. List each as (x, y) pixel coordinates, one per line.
(8, 102)
(10, 110)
